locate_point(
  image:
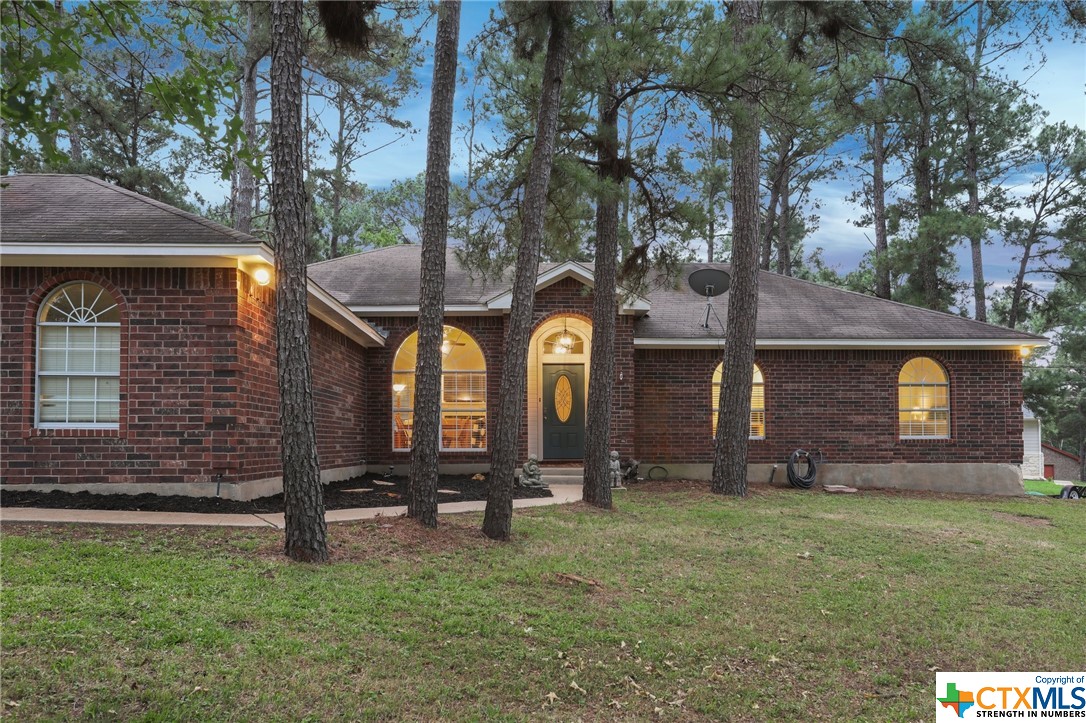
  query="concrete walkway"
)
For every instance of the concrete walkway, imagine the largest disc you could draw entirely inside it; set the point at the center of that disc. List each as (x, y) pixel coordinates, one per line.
(563, 494)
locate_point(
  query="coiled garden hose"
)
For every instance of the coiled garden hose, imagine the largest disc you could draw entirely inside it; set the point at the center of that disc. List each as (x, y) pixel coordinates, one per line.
(802, 481)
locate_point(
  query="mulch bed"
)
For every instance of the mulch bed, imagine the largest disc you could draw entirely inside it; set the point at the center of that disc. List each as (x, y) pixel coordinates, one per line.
(337, 496)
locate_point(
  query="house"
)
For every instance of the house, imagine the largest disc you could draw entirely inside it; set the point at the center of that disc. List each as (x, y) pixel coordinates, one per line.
(161, 375)
(1032, 457)
(1060, 465)
(138, 349)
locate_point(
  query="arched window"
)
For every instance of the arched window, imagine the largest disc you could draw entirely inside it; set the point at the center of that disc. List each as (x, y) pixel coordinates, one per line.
(923, 400)
(463, 392)
(79, 358)
(563, 342)
(757, 401)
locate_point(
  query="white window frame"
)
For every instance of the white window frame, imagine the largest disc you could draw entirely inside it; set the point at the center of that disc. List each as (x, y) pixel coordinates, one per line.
(478, 412)
(39, 374)
(921, 385)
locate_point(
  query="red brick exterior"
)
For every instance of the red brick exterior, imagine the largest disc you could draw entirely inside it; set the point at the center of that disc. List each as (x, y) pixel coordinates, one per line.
(843, 402)
(566, 297)
(199, 400)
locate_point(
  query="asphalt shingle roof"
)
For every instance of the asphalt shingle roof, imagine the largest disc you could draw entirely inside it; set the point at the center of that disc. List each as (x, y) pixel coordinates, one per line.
(55, 208)
(788, 308)
(389, 276)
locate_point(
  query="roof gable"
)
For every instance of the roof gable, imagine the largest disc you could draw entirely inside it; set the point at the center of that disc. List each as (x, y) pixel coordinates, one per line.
(568, 270)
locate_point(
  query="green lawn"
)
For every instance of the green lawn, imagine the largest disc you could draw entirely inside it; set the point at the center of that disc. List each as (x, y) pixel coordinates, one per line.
(1043, 486)
(783, 606)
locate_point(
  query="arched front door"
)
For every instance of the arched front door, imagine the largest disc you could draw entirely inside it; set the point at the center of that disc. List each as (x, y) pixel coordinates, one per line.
(558, 378)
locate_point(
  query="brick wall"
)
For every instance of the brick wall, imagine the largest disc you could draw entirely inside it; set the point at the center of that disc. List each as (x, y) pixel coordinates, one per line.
(177, 328)
(568, 296)
(842, 401)
(489, 334)
(198, 383)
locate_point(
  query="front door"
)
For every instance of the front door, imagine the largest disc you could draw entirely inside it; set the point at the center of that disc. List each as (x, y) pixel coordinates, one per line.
(563, 411)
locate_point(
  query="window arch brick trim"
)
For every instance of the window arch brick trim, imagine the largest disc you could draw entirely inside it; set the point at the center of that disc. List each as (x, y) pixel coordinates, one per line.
(30, 353)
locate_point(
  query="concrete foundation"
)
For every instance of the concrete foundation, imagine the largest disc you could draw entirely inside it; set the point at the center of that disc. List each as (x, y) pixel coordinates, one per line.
(964, 478)
(241, 491)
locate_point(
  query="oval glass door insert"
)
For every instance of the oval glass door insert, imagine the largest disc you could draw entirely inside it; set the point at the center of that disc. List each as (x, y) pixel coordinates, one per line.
(563, 398)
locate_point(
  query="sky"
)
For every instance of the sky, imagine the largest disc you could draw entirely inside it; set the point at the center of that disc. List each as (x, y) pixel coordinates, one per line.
(1059, 87)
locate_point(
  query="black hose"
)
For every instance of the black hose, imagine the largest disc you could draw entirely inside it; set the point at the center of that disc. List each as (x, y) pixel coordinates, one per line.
(805, 481)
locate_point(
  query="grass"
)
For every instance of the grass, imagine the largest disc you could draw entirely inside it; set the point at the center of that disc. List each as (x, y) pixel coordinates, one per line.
(1043, 486)
(781, 606)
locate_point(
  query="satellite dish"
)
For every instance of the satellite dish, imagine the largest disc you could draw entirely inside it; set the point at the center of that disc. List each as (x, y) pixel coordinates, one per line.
(710, 282)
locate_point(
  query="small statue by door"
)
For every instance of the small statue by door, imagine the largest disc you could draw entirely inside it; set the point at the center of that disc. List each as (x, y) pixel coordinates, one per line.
(531, 474)
(615, 471)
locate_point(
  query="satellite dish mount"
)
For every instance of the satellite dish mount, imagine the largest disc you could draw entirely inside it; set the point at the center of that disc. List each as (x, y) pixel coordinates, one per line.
(709, 283)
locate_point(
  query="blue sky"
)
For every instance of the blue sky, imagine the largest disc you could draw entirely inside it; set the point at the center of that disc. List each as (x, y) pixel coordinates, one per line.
(1060, 88)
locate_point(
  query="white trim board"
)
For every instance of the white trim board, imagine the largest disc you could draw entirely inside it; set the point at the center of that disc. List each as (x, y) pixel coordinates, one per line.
(653, 343)
(133, 255)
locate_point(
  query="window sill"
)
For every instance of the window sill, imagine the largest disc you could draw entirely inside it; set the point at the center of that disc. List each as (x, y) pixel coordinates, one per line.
(114, 432)
(443, 450)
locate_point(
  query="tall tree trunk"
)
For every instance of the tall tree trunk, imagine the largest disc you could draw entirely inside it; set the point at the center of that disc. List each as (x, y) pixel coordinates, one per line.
(339, 178)
(597, 483)
(784, 244)
(878, 203)
(498, 518)
(710, 206)
(733, 425)
(426, 439)
(771, 213)
(243, 211)
(928, 266)
(976, 236)
(1020, 277)
(306, 532)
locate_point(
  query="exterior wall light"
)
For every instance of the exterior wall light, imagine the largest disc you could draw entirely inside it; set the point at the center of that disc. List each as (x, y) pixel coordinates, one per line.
(1024, 351)
(262, 276)
(398, 387)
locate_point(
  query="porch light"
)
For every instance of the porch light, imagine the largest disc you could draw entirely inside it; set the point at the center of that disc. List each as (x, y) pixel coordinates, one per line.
(446, 347)
(398, 388)
(262, 276)
(1024, 351)
(561, 348)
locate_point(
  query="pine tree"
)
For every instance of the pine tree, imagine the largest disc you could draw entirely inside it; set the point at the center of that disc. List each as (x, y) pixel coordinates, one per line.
(497, 520)
(425, 441)
(306, 531)
(733, 427)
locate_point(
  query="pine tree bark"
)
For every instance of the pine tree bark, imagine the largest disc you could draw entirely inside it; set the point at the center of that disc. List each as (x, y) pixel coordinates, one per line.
(771, 216)
(426, 438)
(976, 236)
(923, 176)
(878, 201)
(602, 364)
(306, 531)
(733, 427)
(498, 518)
(784, 245)
(246, 179)
(597, 483)
(339, 175)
